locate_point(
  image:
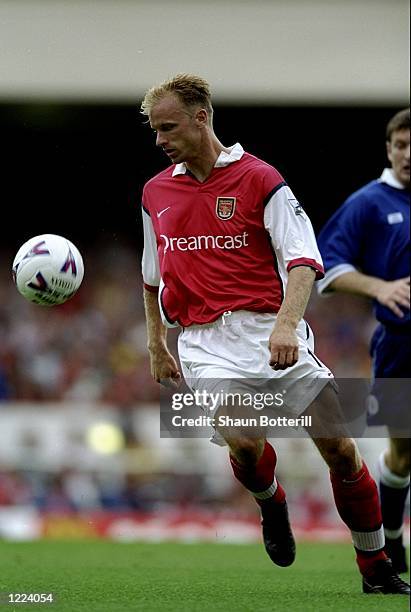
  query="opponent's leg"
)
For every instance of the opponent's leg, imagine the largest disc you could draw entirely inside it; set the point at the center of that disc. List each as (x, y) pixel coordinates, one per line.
(394, 482)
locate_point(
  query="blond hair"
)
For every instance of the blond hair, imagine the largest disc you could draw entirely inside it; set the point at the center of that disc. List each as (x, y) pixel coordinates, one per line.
(192, 91)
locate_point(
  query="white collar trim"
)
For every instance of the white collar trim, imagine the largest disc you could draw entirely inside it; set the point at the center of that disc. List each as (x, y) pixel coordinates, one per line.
(388, 177)
(224, 159)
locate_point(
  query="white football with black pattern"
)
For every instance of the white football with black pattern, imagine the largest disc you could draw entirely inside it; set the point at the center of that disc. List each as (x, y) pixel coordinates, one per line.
(48, 270)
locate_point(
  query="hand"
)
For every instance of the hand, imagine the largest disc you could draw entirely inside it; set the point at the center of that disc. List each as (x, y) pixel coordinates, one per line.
(164, 368)
(394, 294)
(283, 346)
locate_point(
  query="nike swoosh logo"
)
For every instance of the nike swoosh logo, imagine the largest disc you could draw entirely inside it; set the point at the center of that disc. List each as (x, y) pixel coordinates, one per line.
(162, 211)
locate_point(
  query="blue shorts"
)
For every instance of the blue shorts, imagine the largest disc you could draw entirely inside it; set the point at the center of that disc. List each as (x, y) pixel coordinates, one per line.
(391, 353)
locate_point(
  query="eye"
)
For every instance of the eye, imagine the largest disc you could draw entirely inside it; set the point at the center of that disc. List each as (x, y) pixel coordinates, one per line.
(399, 144)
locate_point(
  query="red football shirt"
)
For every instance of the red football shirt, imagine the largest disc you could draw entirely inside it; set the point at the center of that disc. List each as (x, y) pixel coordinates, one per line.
(224, 244)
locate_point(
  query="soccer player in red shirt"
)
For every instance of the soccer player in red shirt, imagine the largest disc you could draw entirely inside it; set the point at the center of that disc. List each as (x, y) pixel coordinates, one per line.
(230, 256)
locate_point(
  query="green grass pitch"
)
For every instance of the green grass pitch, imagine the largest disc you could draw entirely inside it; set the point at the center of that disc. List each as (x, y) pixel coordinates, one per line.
(103, 576)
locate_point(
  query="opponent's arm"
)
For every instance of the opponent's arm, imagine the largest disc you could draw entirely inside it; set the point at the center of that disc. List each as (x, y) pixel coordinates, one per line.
(163, 365)
(283, 342)
(391, 294)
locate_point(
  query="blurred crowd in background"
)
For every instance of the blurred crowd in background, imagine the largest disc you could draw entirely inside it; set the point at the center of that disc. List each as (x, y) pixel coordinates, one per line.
(93, 349)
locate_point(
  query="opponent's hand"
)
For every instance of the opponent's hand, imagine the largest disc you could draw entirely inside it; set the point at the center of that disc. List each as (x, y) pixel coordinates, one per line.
(394, 294)
(164, 368)
(283, 347)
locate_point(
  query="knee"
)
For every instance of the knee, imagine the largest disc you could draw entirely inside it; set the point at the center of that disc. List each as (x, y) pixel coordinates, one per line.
(403, 465)
(246, 451)
(399, 462)
(342, 455)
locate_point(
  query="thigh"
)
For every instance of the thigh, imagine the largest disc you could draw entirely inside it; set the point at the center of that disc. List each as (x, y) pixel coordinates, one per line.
(389, 405)
(391, 354)
(327, 417)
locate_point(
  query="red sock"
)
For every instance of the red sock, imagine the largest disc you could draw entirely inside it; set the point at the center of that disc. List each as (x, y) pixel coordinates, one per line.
(357, 501)
(260, 479)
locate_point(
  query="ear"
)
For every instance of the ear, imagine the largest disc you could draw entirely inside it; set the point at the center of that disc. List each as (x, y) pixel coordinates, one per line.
(201, 117)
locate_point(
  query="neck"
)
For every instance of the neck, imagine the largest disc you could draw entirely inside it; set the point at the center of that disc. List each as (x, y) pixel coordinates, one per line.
(202, 165)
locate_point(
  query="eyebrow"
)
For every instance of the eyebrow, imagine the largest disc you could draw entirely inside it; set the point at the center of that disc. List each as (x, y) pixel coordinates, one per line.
(162, 124)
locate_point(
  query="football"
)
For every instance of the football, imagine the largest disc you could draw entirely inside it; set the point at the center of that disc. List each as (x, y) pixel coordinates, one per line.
(48, 270)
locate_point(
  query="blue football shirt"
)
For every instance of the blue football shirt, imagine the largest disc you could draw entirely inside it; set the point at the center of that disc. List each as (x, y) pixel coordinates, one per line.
(370, 233)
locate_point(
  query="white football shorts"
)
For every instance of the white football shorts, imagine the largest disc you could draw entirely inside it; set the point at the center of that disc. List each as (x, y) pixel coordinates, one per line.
(219, 356)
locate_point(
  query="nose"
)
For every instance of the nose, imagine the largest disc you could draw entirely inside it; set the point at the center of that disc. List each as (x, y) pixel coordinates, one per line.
(160, 140)
(407, 153)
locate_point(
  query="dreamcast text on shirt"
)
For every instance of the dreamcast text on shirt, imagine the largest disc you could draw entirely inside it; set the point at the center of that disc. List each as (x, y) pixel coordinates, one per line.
(199, 243)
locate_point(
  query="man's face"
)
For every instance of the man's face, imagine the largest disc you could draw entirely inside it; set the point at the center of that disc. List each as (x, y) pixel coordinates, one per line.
(398, 151)
(177, 129)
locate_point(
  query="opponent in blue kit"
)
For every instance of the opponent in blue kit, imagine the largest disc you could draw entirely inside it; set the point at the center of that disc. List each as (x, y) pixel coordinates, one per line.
(366, 250)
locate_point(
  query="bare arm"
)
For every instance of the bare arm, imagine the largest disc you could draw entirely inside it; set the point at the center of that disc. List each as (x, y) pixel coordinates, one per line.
(163, 365)
(391, 294)
(283, 342)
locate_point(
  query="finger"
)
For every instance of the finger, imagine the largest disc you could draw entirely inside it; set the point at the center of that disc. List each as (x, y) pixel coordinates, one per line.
(395, 309)
(291, 359)
(173, 380)
(281, 361)
(169, 383)
(404, 292)
(175, 383)
(177, 379)
(294, 356)
(275, 365)
(403, 301)
(274, 358)
(282, 358)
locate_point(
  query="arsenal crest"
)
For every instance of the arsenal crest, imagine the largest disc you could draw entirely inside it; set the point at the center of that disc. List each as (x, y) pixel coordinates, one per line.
(225, 207)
